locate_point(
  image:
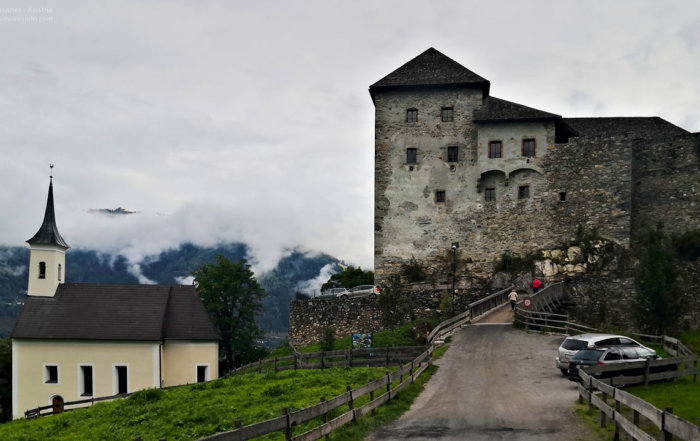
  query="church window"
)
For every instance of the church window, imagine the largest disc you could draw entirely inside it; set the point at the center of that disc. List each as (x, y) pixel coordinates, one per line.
(42, 270)
(411, 156)
(50, 373)
(452, 154)
(121, 380)
(440, 196)
(202, 373)
(85, 380)
(447, 114)
(529, 147)
(524, 192)
(412, 115)
(495, 149)
(59, 272)
(490, 194)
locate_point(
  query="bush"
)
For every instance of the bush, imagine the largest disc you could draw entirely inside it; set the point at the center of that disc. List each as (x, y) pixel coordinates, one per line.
(328, 339)
(146, 396)
(413, 271)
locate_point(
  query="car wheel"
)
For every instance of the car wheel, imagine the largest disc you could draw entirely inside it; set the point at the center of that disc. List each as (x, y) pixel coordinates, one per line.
(373, 295)
(344, 296)
(564, 371)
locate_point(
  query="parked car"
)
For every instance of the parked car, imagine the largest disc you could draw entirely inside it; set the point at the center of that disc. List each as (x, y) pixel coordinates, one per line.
(364, 290)
(615, 355)
(334, 292)
(571, 345)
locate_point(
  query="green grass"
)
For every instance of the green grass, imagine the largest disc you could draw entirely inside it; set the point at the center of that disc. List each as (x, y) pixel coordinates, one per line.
(191, 412)
(681, 394)
(692, 341)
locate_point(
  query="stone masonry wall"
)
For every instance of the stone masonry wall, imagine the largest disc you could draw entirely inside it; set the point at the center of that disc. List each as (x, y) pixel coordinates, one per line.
(667, 184)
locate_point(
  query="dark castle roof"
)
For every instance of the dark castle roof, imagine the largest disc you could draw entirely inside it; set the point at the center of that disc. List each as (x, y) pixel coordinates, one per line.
(48, 232)
(116, 312)
(431, 68)
(636, 127)
(496, 109)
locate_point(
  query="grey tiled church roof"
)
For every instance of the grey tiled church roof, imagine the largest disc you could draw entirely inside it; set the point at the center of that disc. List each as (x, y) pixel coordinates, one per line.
(496, 109)
(48, 232)
(116, 312)
(636, 127)
(431, 68)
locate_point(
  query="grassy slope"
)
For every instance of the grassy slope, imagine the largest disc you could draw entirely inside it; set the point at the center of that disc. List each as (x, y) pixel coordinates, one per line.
(191, 412)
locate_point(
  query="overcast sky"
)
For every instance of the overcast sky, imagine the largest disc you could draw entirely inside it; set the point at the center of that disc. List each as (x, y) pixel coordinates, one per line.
(250, 120)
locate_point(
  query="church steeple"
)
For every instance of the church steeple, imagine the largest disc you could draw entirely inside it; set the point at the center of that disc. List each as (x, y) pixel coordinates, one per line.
(47, 258)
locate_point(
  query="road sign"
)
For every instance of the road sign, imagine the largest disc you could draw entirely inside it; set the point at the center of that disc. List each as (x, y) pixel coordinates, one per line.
(527, 302)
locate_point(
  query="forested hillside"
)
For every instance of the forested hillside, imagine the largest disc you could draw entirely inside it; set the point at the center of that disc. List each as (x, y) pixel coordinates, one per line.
(172, 266)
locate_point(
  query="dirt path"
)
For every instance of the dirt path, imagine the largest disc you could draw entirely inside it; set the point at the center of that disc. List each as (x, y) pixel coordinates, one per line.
(495, 383)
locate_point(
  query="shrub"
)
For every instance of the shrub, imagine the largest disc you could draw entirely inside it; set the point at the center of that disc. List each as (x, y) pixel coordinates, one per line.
(146, 396)
(328, 339)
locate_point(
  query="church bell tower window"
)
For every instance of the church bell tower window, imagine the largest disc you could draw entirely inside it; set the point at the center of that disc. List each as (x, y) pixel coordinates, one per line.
(42, 270)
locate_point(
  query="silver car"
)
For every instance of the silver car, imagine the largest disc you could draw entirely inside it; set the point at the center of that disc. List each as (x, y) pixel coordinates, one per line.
(334, 292)
(364, 290)
(571, 345)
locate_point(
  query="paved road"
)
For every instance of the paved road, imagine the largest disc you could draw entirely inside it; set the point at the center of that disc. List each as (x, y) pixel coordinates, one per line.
(494, 383)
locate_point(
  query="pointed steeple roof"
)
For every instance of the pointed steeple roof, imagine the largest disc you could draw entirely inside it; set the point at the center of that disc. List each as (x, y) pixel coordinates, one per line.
(431, 68)
(48, 232)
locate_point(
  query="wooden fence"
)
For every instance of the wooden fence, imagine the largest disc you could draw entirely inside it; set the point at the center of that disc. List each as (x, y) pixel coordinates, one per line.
(596, 393)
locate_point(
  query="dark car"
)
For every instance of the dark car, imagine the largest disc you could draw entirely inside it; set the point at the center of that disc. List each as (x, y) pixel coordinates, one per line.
(614, 355)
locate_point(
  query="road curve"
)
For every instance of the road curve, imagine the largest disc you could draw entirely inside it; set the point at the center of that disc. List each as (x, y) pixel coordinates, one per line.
(494, 383)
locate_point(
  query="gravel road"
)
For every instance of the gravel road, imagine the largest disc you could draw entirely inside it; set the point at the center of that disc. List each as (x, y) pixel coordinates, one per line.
(494, 383)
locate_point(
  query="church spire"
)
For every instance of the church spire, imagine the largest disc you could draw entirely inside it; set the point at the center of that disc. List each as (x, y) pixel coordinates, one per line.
(48, 232)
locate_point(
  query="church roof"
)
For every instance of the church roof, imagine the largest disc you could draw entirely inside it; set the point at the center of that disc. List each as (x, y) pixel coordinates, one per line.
(48, 232)
(496, 110)
(431, 68)
(116, 312)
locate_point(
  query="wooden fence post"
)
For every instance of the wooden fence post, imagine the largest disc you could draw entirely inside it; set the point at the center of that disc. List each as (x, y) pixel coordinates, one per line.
(295, 361)
(322, 360)
(288, 425)
(325, 417)
(603, 397)
(387, 355)
(371, 398)
(590, 393)
(351, 404)
(388, 385)
(667, 435)
(646, 374)
(400, 375)
(275, 363)
(616, 437)
(412, 378)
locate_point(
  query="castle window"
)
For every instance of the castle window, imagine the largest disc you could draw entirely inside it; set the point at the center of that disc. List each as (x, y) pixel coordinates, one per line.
(42, 270)
(440, 196)
(411, 156)
(447, 114)
(529, 147)
(59, 272)
(50, 373)
(490, 194)
(562, 196)
(495, 149)
(524, 192)
(412, 115)
(452, 154)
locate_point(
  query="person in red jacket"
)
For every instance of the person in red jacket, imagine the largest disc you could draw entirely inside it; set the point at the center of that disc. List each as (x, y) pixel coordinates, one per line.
(536, 284)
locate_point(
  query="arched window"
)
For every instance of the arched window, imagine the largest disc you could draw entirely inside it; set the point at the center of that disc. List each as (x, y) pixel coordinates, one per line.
(42, 270)
(59, 272)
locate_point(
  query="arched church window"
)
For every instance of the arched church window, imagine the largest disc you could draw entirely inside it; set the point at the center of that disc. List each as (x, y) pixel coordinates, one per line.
(59, 272)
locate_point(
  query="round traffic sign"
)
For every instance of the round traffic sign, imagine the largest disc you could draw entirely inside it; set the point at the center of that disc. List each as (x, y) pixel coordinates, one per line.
(527, 302)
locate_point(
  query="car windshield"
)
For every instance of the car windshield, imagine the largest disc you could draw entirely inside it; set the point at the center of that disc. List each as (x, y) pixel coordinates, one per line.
(587, 354)
(574, 345)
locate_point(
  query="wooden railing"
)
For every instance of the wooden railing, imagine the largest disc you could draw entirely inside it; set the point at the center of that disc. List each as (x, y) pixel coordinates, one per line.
(596, 393)
(388, 387)
(490, 302)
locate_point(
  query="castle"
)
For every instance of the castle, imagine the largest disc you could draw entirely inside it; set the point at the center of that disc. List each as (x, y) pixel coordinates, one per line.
(454, 164)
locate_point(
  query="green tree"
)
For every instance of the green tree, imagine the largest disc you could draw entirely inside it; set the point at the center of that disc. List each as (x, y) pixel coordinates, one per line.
(5, 380)
(234, 300)
(394, 304)
(349, 278)
(659, 303)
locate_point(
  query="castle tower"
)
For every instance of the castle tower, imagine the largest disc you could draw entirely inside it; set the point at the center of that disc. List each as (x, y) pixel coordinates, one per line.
(47, 258)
